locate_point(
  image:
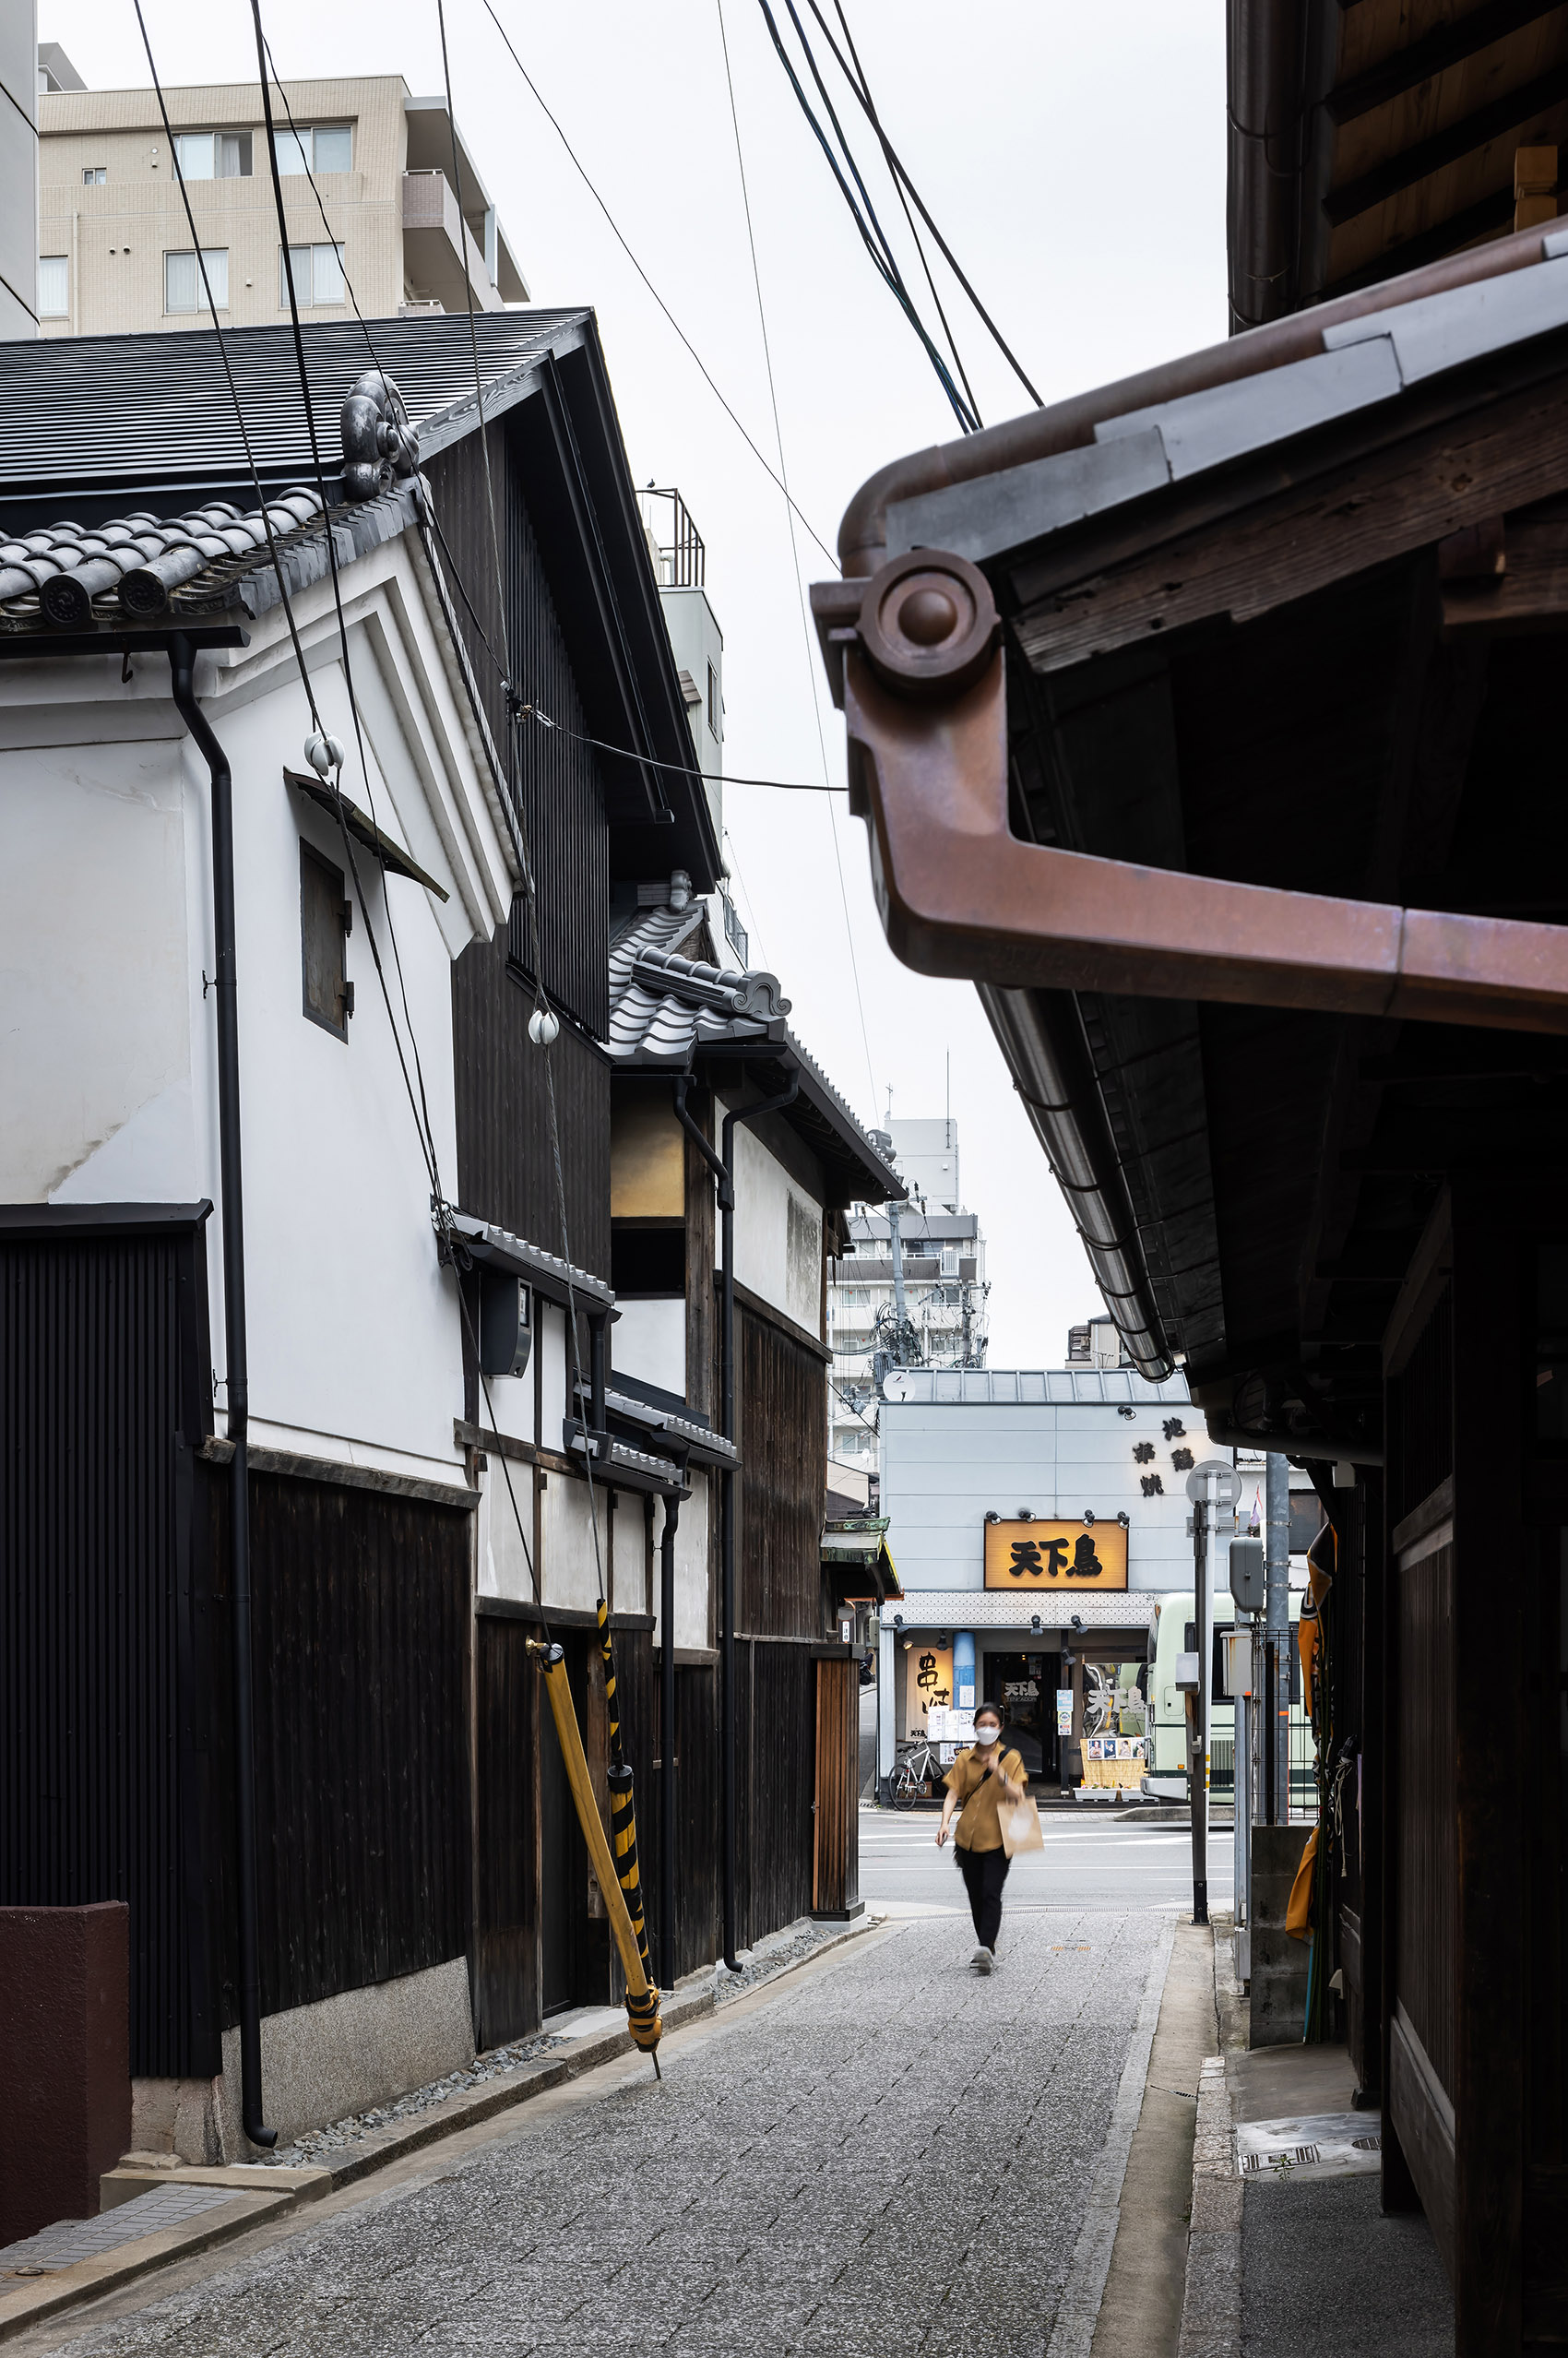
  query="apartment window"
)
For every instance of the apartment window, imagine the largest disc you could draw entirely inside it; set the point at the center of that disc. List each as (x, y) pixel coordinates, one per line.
(213, 155)
(318, 275)
(54, 286)
(327, 918)
(183, 289)
(324, 147)
(713, 717)
(95, 175)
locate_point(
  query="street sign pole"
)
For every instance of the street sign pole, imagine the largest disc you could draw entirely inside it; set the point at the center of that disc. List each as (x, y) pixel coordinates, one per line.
(1214, 1487)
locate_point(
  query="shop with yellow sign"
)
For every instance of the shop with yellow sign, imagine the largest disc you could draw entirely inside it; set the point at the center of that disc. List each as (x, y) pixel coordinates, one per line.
(1040, 1556)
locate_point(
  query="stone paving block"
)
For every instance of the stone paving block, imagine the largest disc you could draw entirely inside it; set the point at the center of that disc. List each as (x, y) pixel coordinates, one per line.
(841, 2171)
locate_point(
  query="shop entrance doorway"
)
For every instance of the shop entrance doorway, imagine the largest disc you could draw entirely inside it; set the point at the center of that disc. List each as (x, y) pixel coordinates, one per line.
(1023, 1687)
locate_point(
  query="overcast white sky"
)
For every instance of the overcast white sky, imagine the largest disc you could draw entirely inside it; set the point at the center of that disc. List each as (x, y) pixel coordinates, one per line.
(1075, 158)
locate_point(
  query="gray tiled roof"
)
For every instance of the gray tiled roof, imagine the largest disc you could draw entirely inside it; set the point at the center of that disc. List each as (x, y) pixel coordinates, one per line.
(213, 560)
(663, 1004)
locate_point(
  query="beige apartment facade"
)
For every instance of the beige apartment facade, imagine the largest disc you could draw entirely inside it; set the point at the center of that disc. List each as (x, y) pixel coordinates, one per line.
(115, 253)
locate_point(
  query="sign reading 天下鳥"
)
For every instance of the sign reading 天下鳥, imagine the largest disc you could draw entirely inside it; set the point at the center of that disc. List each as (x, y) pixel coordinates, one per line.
(1064, 1556)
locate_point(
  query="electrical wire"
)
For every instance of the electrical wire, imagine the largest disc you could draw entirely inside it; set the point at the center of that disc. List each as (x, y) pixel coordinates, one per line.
(659, 299)
(859, 84)
(900, 193)
(795, 547)
(277, 560)
(330, 538)
(542, 1007)
(882, 259)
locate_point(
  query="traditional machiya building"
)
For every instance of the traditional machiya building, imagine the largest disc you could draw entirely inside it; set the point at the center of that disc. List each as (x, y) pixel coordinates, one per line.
(321, 1408)
(1209, 722)
(1034, 1516)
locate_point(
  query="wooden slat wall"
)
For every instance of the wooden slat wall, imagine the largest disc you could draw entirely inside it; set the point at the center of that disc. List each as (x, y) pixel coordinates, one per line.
(562, 801)
(777, 1777)
(696, 1860)
(505, 1170)
(783, 1440)
(95, 1687)
(1429, 1875)
(836, 1865)
(507, 1994)
(361, 1635)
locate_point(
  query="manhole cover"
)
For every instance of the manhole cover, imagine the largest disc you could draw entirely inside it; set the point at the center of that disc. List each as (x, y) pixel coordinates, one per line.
(1284, 2157)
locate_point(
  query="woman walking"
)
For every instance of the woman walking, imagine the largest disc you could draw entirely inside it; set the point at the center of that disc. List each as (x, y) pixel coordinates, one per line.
(980, 1781)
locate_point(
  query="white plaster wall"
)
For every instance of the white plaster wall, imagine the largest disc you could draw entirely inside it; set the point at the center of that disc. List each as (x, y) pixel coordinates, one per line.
(944, 1466)
(108, 1048)
(567, 1542)
(628, 1523)
(648, 1340)
(94, 962)
(777, 1253)
(691, 1563)
(502, 1558)
(551, 1344)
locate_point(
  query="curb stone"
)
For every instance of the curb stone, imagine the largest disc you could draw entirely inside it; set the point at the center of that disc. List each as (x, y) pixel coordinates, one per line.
(39, 2299)
(1211, 2307)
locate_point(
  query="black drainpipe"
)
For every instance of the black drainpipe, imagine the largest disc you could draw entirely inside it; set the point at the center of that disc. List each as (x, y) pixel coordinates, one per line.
(724, 1165)
(181, 664)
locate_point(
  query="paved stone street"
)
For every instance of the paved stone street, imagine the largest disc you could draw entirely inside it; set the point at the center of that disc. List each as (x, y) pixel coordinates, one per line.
(889, 2156)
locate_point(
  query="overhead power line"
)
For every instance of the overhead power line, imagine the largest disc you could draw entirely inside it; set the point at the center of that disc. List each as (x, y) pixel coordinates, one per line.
(616, 229)
(861, 86)
(873, 237)
(794, 548)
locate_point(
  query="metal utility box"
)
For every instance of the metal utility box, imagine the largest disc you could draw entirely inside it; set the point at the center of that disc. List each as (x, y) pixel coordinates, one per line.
(506, 1337)
(1235, 1662)
(1248, 1584)
(1188, 1681)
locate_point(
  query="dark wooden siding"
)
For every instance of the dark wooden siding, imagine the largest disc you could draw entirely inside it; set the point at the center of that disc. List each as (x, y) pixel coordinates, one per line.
(836, 1872)
(361, 1634)
(561, 797)
(777, 1775)
(697, 1802)
(1426, 1922)
(505, 1169)
(99, 1340)
(507, 1706)
(783, 1439)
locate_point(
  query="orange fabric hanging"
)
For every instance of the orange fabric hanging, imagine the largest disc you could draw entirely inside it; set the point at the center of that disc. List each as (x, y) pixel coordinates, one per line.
(1299, 1914)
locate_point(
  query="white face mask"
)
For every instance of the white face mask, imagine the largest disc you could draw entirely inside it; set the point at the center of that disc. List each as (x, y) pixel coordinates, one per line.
(988, 1734)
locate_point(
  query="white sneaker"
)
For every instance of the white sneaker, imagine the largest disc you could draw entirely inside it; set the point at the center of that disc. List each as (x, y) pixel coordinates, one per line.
(982, 1960)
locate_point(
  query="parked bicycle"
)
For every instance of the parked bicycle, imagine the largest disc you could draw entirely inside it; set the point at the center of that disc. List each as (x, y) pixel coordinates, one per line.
(918, 1766)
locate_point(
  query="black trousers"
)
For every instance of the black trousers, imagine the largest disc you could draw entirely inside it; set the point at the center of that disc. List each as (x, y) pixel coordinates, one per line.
(984, 1873)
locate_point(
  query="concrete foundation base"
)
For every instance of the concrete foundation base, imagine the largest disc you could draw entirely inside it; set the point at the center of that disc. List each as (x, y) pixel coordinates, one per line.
(1278, 1977)
(180, 2117)
(366, 2047)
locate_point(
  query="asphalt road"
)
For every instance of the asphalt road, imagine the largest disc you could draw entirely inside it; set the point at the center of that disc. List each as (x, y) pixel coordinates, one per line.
(1085, 1863)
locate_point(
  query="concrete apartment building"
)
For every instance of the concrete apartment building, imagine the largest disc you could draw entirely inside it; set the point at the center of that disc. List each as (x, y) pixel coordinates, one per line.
(114, 251)
(942, 1262)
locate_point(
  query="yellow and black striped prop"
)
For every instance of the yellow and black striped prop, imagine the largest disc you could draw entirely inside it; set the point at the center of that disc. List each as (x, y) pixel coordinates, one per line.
(623, 1802)
(643, 2018)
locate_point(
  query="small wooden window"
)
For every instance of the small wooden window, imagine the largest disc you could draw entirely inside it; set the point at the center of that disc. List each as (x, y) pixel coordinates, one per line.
(327, 918)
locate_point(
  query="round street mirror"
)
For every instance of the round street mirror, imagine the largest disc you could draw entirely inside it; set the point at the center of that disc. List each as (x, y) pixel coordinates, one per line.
(1226, 1483)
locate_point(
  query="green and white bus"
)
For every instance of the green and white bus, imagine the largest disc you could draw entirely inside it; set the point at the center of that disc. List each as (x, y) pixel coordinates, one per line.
(1174, 1631)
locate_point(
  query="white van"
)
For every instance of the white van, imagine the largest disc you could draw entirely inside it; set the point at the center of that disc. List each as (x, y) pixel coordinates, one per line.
(1174, 1632)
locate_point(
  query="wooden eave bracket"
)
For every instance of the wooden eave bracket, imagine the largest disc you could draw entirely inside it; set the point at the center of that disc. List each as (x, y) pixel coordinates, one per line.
(960, 895)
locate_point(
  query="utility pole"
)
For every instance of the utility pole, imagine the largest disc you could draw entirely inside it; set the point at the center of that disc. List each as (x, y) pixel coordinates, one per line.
(1277, 1618)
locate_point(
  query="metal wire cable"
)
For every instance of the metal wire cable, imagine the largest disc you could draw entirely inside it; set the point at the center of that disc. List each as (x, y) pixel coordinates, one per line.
(861, 86)
(277, 564)
(887, 270)
(659, 299)
(794, 548)
(427, 1126)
